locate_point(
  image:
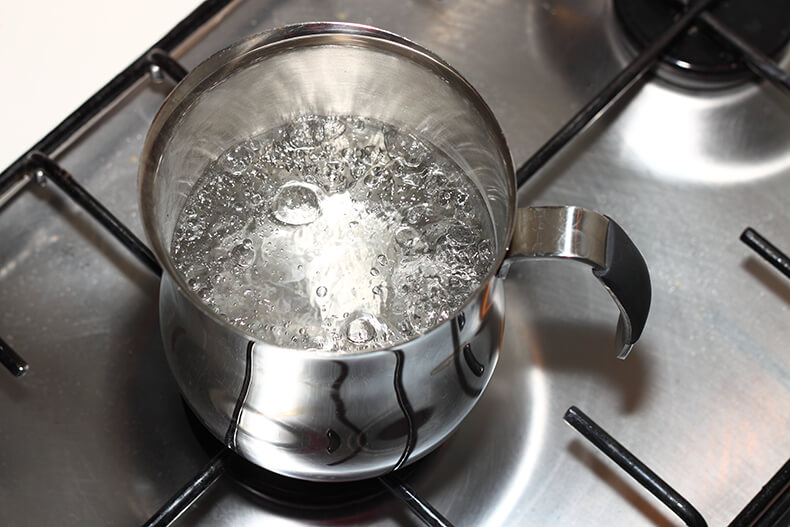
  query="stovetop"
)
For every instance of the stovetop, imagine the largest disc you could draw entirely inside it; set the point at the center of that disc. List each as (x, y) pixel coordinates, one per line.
(96, 433)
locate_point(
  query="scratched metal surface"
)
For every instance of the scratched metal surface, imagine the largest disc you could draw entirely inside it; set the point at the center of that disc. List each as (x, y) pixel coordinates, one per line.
(96, 434)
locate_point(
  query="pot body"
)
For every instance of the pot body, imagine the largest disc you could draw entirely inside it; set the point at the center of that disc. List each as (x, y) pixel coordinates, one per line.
(332, 419)
(316, 415)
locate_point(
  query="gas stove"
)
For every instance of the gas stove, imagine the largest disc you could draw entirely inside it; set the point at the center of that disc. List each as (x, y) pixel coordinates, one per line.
(684, 157)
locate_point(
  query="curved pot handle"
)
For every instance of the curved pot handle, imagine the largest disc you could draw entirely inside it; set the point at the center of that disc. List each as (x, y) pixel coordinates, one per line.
(596, 240)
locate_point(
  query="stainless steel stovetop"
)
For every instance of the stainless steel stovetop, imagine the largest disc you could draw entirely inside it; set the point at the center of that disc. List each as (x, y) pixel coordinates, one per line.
(96, 433)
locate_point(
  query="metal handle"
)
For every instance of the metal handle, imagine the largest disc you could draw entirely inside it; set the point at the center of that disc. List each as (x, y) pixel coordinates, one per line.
(596, 240)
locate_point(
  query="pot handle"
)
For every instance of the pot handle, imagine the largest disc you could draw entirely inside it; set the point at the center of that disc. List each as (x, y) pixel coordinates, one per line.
(596, 240)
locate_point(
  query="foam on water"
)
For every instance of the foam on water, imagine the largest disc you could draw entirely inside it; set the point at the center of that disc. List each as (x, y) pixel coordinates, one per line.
(334, 233)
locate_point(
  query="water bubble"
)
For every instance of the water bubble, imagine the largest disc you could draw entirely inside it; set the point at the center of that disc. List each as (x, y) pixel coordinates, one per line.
(374, 271)
(457, 282)
(237, 159)
(243, 254)
(381, 260)
(361, 330)
(377, 290)
(305, 132)
(375, 177)
(333, 128)
(420, 215)
(405, 147)
(461, 235)
(334, 176)
(372, 155)
(404, 194)
(445, 198)
(296, 204)
(407, 236)
(484, 257)
(219, 229)
(204, 292)
(485, 250)
(320, 291)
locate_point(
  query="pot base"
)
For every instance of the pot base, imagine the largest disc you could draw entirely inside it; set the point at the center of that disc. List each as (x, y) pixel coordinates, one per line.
(293, 492)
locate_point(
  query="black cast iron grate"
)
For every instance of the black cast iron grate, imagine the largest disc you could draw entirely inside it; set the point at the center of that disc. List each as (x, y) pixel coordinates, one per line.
(770, 507)
(698, 60)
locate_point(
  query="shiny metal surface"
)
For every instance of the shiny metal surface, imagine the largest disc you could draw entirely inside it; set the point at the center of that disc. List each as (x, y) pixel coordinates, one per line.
(310, 415)
(96, 431)
(583, 235)
(325, 417)
(561, 232)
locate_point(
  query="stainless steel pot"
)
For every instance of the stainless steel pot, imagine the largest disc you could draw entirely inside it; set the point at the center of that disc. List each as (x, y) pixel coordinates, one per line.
(323, 416)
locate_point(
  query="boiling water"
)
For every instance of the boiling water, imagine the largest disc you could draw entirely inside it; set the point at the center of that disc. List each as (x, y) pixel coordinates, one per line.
(334, 233)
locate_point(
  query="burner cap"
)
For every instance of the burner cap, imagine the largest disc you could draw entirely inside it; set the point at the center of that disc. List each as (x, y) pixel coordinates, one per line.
(292, 492)
(700, 59)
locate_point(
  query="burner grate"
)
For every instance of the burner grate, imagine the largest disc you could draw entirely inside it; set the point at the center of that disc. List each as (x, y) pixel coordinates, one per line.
(633, 467)
(697, 60)
(767, 508)
(610, 93)
(767, 250)
(36, 164)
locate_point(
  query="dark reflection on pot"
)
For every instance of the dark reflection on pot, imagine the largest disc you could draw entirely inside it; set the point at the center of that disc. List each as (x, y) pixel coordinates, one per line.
(408, 413)
(333, 441)
(486, 337)
(400, 427)
(356, 439)
(472, 362)
(230, 435)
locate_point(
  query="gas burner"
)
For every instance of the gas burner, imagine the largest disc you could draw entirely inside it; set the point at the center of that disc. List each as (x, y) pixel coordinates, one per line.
(292, 492)
(700, 59)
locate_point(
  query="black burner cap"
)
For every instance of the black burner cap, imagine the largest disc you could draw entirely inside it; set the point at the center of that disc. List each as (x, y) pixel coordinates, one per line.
(699, 58)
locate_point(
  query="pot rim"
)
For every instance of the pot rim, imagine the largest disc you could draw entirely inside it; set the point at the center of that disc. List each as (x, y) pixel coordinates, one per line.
(224, 62)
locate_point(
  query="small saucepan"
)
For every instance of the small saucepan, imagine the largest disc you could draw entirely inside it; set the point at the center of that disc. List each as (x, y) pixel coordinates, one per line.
(327, 416)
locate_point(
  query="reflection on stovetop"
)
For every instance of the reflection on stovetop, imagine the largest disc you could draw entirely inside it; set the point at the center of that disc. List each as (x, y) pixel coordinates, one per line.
(97, 431)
